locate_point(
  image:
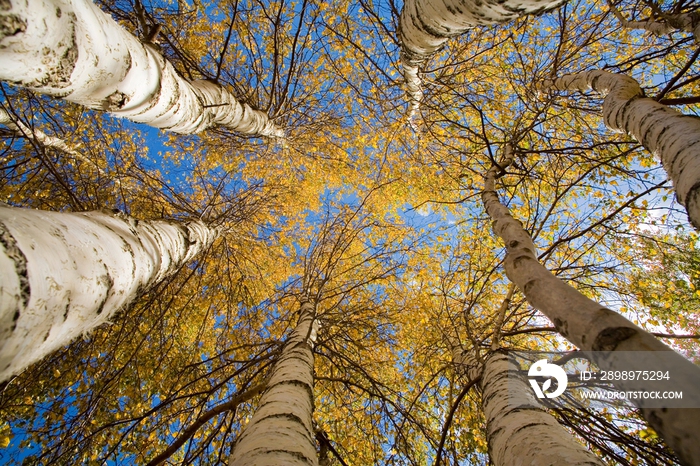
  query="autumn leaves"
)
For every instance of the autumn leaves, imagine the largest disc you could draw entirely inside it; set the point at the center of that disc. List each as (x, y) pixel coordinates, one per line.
(674, 138)
(467, 129)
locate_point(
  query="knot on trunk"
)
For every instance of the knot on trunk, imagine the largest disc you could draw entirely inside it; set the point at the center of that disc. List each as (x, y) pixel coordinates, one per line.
(469, 365)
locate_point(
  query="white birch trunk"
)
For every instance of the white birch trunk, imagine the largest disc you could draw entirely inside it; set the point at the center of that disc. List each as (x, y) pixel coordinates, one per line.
(667, 133)
(281, 431)
(593, 327)
(688, 22)
(63, 274)
(70, 49)
(520, 432)
(42, 138)
(655, 27)
(426, 25)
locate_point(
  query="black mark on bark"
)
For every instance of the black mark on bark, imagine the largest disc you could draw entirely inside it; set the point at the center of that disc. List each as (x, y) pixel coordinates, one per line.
(562, 326)
(11, 25)
(15, 254)
(608, 339)
(528, 286)
(107, 280)
(115, 101)
(65, 312)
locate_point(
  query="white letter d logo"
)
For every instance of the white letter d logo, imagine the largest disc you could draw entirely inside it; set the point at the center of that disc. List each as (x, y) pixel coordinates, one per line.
(543, 369)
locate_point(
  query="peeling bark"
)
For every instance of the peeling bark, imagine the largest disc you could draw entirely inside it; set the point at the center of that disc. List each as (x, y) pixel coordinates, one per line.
(63, 274)
(281, 430)
(518, 428)
(668, 134)
(593, 327)
(94, 62)
(426, 25)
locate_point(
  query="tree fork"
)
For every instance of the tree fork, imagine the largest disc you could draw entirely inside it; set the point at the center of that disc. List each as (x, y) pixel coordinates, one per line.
(63, 274)
(593, 327)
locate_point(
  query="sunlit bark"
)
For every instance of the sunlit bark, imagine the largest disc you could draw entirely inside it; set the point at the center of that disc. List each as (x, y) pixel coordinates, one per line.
(668, 134)
(63, 274)
(593, 327)
(72, 50)
(281, 430)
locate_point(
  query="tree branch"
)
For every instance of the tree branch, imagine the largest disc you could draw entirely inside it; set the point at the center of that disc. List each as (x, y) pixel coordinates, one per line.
(186, 434)
(450, 416)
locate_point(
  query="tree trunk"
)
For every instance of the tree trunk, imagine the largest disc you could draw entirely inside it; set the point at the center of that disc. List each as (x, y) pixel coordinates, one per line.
(18, 127)
(518, 429)
(688, 22)
(93, 61)
(425, 26)
(281, 430)
(593, 327)
(668, 134)
(63, 274)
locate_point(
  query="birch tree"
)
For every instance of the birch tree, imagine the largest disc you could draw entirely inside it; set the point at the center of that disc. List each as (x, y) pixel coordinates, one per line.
(668, 134)
(519, 430)
(460, 299)
(64, 274)
(589, 325)
(17, 126)
(426, 25)
(94, 62)
(517, 426)
(664, 25)
(281, 430)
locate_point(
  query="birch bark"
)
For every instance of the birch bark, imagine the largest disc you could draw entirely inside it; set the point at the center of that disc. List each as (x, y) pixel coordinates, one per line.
(518, 429)
(281, 430)
(425, 26)
(70, 49)
(688, 22)
(42, 138)
(63, 274)
(593, 327)
(668, 134)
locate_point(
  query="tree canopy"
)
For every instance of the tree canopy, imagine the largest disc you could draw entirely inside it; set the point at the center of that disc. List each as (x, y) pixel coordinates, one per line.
(370, 206)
